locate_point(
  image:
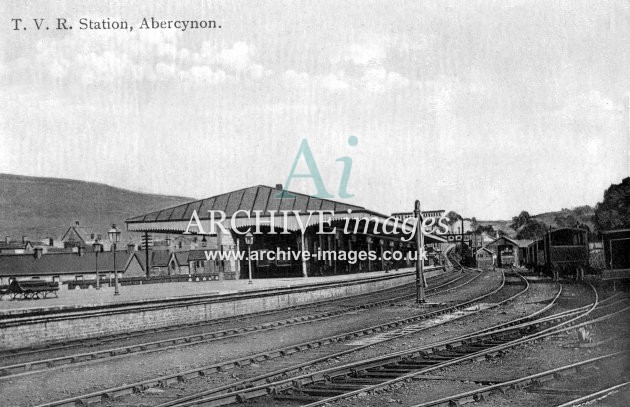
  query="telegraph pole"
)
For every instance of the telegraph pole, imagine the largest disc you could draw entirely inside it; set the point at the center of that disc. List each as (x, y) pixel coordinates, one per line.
(420, 299)
(146, 253)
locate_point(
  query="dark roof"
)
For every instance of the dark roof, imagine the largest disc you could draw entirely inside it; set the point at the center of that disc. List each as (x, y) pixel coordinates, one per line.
(182, 258)
(195, 255)
(61, 263)
(85, 234)
(514, 242)
(257, 198)
(14, 245)
(160, 258)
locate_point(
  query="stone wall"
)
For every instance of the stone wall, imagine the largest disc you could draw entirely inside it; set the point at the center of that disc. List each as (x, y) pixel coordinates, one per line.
(39, 331)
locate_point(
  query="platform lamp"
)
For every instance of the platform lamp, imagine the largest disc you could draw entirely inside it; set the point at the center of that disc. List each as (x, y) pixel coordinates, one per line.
(114, 237)
(98, 246)
(249, 241)
(391, 254)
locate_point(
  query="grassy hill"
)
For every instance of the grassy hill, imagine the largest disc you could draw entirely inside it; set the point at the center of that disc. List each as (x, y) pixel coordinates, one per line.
(564, 217)
(39, 207)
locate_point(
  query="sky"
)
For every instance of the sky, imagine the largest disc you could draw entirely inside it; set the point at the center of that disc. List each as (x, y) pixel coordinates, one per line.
(482, 107)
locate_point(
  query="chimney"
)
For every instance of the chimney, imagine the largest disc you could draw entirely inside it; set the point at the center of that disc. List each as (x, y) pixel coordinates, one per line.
(131, 247)
(24, 239)
(279, 186)
(39, 252)
(76, 223)
(7, 239)
(81, 250)
(51, 241)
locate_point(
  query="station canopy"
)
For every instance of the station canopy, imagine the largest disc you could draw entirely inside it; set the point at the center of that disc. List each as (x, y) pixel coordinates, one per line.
(242, 204)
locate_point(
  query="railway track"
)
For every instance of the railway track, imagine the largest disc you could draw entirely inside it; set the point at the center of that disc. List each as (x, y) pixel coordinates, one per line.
(89, 342)
(535, 381)
(328, 342)
(611, 394)
(324, 387)
(37, 365)
(329, 385)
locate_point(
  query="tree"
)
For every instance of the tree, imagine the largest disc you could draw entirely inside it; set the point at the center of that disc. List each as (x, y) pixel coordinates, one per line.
(568, 221)
(614, 211)
(453, 217)
(474, 223)
(521, 220)
(533, 230)
(489, 229)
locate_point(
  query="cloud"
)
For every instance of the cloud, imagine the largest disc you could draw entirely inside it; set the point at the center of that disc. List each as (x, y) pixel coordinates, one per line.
(153, 55)
(294, 79)
(335, 82)
(378, 80)
(365, 54)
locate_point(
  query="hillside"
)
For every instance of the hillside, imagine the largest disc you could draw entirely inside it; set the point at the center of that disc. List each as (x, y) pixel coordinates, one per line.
(39, 207)
(564, 217)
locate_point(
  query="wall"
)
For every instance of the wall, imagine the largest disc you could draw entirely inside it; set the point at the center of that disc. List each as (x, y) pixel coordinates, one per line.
(51, 331)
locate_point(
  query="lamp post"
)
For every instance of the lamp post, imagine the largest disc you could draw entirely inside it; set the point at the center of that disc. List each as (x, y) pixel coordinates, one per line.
(381, 242)
(97, 248)
(114, 237)
(391, 255)
(420, 299)
(249, 241)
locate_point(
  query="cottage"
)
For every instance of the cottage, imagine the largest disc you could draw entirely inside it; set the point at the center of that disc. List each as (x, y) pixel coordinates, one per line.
(9, 247)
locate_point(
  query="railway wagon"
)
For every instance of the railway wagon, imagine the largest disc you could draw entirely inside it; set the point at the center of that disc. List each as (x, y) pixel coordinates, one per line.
(560, 252)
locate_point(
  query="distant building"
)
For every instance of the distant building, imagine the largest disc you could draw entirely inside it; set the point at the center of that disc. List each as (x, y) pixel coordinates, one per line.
(78, 235)
(509, 252)
(9, 247)
(462, 226)
(425, 214)
(484, 258)
(64, 267)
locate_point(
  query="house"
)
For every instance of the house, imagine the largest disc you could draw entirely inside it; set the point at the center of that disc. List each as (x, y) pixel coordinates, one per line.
(179, 262)
(164, 262)
(78, 235)
(219, 269)
(64, 267)
(9, 247)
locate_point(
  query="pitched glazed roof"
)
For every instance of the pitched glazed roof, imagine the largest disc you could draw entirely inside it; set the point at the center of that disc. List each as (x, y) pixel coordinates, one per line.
(257, 198)
(61, 263)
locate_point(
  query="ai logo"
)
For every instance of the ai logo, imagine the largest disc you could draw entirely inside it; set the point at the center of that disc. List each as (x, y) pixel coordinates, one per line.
(313, 172)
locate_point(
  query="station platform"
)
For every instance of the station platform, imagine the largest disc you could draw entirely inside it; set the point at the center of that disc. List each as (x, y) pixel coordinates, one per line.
(137, 294)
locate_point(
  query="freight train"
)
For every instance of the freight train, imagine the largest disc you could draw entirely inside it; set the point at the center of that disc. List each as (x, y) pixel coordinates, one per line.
(560, 252)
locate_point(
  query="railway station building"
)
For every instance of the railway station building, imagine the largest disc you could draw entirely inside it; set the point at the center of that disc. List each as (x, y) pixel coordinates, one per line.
(287, 222)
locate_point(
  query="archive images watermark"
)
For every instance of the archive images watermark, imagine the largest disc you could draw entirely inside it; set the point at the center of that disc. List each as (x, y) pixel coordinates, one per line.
(302, 219)
(324, 218)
